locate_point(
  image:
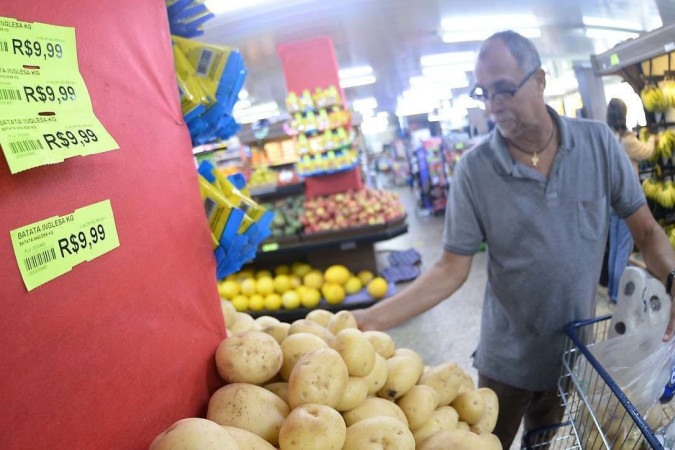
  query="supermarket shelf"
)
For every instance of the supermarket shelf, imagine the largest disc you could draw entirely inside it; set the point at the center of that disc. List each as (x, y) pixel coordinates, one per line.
(280, 191)
(343, 240)
(635, 51)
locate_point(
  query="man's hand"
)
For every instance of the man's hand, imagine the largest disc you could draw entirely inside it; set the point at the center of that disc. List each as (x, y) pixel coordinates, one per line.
(363, 321)
(670, 329)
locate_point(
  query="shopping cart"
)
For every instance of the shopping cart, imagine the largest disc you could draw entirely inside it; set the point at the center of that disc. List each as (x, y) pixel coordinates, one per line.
(598, 415)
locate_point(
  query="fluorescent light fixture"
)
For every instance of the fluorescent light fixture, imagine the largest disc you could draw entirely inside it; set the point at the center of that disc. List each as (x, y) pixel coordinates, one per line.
(242, 105)
(482, 34)
(445, 59)
(495, 22)
(357, 81)
(605, 22)
(450, 81)
(434, 71)
(614, 36)
(367, 104)
(227, 6)
(375, 125)
(355, 72)
(257, 112)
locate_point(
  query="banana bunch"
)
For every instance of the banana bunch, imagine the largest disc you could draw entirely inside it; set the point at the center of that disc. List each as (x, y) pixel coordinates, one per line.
(668, 89)
(666, 195)
(651, 187)
(665, 144)
(653, 98)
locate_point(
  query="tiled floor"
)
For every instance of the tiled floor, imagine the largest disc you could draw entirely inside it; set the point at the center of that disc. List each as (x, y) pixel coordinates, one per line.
(448, 332)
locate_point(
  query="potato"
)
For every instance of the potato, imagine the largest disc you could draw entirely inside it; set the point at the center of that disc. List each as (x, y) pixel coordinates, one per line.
(463, 426)
(243, 323)
(280, 388)
(341, 320)
(378, 376)
(379, 433)
(307, 326)
(444, 418)
(466, 384)
(251, 357)
(320, 316)
(229, 313)
(374, 407)
(295, 347)
(490, 442)
(412, 354)
(355, 394)
(418, 405)
(381, 342)
(249, 407)
(194, 434)
(247, 440)
(318, 377)
(486, 424)
(453, 439)
(278, 331)
(356, 351)
(313, 427)
(470, 406)
(445, 379)
(266, 321)
(402, 375)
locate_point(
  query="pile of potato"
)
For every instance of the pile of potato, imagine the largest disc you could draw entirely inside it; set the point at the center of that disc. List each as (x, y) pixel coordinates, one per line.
(322, 384)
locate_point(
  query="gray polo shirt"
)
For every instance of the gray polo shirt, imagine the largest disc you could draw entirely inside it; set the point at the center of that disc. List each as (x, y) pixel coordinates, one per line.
(546, 240)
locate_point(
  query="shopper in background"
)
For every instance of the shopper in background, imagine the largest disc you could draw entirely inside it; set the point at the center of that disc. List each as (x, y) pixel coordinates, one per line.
(620, 239)
(539, 191)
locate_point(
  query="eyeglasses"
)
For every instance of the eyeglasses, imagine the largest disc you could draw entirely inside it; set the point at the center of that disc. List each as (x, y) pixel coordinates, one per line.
(481, 94)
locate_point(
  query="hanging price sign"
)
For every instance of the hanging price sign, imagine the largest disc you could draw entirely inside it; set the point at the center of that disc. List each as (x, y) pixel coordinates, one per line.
(46, 113)
(50, 248)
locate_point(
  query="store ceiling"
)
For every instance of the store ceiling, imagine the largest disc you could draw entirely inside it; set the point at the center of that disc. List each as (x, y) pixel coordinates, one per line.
(392, 35)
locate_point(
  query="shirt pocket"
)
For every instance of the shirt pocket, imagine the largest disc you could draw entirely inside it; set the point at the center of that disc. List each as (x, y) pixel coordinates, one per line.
(592, 218)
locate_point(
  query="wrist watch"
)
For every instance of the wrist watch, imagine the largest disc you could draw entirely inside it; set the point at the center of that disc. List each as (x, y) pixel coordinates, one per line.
(669, 282)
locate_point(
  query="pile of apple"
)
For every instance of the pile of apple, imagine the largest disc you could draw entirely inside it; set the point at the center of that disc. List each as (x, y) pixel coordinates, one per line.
(351, 209)
(322, 384)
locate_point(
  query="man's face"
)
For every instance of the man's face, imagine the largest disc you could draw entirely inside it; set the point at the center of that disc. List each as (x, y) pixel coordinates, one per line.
(497, 71)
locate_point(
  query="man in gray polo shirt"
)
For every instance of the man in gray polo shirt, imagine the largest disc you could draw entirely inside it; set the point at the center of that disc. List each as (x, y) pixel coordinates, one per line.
(539, 191)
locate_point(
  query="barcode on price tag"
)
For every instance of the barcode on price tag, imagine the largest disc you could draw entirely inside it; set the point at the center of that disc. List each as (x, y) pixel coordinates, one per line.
(29, 145)
(49, 248)
(205, 61)
(4, 47)
(10, 94)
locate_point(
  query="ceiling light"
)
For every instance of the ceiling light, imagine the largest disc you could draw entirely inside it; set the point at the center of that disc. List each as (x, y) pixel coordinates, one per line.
(353, 72)
(482, 34)
(363, 105)
(496, 22)
(454, 81)
(223, 6)
(357, 81)
(257, 112)
(444, 59)
(614, 36)
(432, 71)
(242, 104)
(605, 22)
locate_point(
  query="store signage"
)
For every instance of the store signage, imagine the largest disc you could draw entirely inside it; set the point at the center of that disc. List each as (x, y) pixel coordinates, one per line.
(50, 248)
(46, 113)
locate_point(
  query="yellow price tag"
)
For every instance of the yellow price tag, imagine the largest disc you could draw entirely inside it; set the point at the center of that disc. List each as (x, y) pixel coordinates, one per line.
(50, 248)
(42, 92)
(33, 141)
(36, 44)
(46, 113)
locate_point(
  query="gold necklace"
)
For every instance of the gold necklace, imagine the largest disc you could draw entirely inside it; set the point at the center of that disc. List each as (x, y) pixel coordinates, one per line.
(534, 157)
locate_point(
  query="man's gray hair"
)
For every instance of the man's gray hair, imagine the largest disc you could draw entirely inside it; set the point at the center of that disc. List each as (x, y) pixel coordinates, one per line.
(521, 48)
